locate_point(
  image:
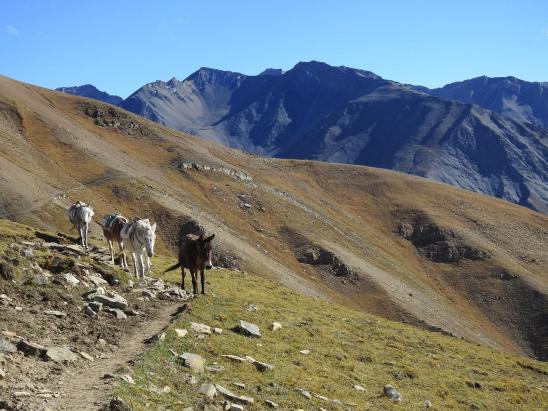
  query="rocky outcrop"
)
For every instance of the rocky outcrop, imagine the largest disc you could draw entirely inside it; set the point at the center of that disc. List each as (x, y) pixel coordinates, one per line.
(438, 244)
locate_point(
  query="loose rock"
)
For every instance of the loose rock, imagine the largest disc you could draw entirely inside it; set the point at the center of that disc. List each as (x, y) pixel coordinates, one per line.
(234, 357)
(208, 390)
(262, 366)
(275, 326)
(427, 404)
(225, 392)
(304, 393)
(392, 393)
(271, 404)
(200, 328)
(117, 312)
(249, 329)
(114, 301)
(193, 361)
(71, 280)
(359, 388)
(6, 346)
(60, 354)
(55, 313)
(181, 332)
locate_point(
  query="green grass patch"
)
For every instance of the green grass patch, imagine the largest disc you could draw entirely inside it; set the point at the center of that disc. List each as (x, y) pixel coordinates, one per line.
(346, 348)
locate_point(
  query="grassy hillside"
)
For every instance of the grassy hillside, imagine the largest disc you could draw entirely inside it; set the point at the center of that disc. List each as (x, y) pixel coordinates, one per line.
(347, 348)
(403, 247)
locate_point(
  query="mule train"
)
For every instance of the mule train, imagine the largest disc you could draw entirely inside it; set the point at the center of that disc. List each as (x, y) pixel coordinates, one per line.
(138, 236)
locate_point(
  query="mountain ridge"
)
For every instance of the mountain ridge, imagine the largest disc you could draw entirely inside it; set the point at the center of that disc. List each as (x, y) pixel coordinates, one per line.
(346, 115)
(90, 91)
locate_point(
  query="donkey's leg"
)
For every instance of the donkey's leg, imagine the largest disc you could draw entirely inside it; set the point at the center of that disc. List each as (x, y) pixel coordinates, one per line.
(135, 264)
(148, 263)
(111, 248)
(141, 265)
(182, 278)
(202, 278)
(194, 282)
(82, 239)
(123, 251)
(86, 234)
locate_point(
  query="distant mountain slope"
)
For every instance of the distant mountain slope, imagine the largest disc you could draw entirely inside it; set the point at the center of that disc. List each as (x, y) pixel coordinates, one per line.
(345, 115)
(193, 105)
(509, 96)
(90, 91)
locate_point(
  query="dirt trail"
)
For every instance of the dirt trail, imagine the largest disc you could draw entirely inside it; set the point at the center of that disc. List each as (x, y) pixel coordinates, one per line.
(85, 388)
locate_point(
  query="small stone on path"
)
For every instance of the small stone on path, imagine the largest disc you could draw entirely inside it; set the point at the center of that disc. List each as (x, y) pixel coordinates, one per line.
(55, 313)
(60, 355)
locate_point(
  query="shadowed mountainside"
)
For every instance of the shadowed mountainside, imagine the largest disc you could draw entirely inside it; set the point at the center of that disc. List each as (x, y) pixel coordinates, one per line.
(396, 245)
(344, 115)
(509, 96)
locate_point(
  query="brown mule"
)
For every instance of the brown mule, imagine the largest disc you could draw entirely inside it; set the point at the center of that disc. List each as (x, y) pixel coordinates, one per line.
(195, 254)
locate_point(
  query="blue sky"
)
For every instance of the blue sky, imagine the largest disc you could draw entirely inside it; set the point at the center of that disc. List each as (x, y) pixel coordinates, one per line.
(120, 45)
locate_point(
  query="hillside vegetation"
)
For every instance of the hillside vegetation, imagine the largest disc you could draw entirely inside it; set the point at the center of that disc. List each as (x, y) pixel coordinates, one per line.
(346, 349)
(398, 246)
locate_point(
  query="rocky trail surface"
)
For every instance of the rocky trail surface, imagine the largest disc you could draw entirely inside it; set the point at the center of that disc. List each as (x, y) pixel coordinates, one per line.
(70, 321)
(91, 387)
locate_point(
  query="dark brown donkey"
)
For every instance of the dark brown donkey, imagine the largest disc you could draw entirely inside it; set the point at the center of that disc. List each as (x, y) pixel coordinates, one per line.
(195, 255)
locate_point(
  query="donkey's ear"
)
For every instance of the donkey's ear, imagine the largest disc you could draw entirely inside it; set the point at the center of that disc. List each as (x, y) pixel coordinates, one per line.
(153, 227)
(211, 237)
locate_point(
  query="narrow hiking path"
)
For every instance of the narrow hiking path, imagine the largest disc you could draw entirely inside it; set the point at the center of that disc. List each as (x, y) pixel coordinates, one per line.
(85, 388)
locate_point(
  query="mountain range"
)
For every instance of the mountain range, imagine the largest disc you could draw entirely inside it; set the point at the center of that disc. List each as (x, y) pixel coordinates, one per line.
(485, 135)
(89, 91)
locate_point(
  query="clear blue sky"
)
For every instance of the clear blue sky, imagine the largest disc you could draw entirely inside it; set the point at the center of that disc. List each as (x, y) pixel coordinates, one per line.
(120, 45)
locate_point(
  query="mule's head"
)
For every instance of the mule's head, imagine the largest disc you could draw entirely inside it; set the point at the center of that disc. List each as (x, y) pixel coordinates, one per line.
(149, 238)
(205, 250)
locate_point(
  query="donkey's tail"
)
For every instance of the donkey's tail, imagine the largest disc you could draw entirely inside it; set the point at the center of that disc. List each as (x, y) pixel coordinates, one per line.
(173, 267)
